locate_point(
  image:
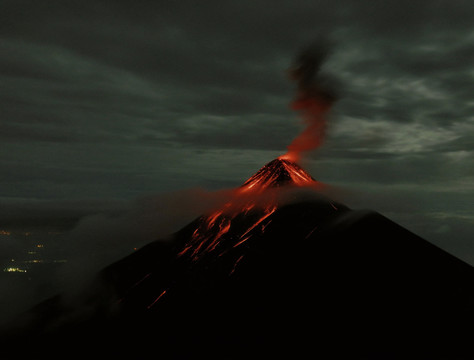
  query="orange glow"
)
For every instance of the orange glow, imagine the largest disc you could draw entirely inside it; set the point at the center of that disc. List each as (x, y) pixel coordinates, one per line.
(235, 265)
(267, 213)
(281, 171)
(256, 200)
(158, 298)
(311, 232)
(313, 110)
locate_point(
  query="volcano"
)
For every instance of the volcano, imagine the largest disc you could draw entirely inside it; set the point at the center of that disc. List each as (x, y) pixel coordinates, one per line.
(276, 173)
(260, 278)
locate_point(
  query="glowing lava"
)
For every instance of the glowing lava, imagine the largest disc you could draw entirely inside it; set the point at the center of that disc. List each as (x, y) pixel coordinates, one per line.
(277, 173)
(255, 200)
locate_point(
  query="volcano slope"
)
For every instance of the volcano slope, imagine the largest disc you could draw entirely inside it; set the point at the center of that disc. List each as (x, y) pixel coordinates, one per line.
(306, 279)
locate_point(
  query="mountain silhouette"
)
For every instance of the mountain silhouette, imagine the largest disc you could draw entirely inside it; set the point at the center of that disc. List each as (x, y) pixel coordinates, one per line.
(309, 278)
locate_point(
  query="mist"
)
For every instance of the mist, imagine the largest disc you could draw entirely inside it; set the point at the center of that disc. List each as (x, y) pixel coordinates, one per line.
(99, 237)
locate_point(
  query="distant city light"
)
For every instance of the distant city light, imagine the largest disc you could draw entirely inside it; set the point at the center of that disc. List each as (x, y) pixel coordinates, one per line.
(14, 269)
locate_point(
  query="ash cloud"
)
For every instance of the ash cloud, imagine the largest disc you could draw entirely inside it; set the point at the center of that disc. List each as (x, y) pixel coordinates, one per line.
(315, 96)
(308, 74)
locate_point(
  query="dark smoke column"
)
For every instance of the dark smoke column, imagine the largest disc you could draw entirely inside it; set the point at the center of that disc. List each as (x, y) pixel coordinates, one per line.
(313, 100)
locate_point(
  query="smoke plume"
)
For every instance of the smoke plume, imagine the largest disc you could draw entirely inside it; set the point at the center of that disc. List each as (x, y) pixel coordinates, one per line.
(314, 98)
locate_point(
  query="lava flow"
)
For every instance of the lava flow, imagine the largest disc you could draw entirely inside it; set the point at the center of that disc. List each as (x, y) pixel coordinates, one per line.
(277, 173)
(256, 200)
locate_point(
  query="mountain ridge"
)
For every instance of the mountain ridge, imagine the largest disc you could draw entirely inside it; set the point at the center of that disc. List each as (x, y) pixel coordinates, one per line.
(307, 277)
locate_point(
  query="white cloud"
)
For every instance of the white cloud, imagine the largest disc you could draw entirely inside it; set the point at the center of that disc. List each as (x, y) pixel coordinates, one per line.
(390, 137)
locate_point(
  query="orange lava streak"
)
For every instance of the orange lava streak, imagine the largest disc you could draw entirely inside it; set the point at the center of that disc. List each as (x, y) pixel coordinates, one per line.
(213, 228)
(158, 298)
(259, 221)
(298, 175)
(242, 241)
(223, 229)
(235, 265)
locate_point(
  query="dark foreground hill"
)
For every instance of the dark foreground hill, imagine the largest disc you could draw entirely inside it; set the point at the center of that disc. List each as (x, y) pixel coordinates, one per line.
(311, 279)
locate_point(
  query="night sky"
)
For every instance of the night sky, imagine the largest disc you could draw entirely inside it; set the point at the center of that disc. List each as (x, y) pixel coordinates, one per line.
(104, 102)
